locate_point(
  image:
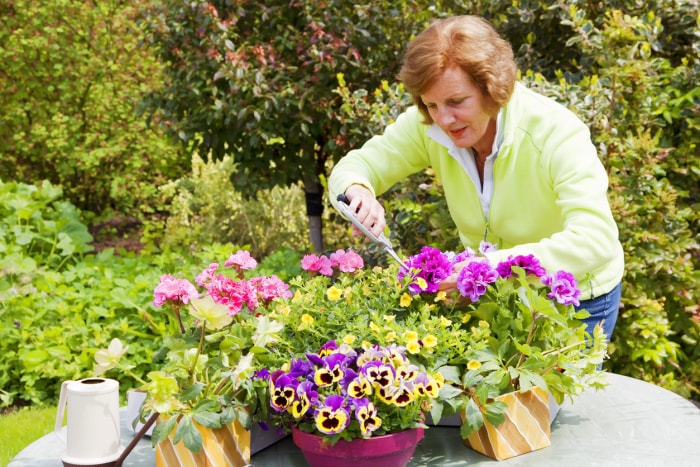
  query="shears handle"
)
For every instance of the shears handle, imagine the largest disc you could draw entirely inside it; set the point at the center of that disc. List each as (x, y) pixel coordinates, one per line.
(381, 240)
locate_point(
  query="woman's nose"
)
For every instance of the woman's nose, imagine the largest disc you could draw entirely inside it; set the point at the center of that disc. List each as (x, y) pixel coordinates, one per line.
(444, 117)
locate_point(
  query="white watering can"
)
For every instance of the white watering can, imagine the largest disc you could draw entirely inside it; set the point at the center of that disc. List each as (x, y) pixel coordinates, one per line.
(92, 432)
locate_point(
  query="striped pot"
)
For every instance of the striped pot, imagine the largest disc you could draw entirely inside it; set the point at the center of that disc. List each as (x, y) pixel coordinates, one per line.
(525, 429)
(228, 446)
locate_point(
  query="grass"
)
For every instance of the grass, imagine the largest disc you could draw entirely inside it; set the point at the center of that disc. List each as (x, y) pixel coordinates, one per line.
(20, 428)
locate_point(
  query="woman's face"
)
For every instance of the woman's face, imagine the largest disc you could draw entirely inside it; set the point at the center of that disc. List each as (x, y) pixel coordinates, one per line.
(457, 105)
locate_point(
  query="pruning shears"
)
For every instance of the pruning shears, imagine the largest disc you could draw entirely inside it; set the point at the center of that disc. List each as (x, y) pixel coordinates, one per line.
(381, 240)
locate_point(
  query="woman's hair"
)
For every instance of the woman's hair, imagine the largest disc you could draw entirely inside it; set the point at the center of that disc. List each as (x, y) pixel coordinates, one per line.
(469, 42)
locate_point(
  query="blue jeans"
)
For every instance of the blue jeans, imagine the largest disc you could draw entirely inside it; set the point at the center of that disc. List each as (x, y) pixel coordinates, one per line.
(603, 308)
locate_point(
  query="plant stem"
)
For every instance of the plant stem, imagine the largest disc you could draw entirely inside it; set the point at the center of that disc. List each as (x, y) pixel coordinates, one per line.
(199, 350)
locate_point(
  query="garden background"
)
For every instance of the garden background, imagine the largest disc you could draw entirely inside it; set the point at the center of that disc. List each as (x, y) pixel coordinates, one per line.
(138, 137)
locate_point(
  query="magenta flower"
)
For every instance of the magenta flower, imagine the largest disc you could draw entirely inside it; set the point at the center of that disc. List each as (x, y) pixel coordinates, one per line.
(319, 264)
(563, 287)
(529, 263)
(346, 261)
(230, 292)
(430, 264)
(175, 290)
(474, 279)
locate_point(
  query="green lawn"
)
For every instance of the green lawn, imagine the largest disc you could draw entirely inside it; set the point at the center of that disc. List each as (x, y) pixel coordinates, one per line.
(21, 428)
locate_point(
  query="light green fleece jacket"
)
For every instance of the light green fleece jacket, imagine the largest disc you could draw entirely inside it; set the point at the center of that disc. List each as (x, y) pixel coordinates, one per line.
(549, 195)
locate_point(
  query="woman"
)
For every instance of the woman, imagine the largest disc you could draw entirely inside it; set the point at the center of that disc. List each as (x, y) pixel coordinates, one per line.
(518, 169)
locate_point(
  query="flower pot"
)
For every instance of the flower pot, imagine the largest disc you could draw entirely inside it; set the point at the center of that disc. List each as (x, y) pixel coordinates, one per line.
(393, 450)
(525, 429)
(228, 446)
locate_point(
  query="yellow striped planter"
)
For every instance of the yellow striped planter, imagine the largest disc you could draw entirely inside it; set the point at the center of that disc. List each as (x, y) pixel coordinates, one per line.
(525, 429)
(228, 446)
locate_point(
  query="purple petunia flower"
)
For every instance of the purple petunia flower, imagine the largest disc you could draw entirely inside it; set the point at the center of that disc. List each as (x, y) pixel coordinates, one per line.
(563, 287)
(474, 279)
(529, 263)
(430, 264)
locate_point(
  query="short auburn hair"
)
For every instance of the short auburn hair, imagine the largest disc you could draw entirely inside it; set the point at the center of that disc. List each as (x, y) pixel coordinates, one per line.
(469, 42)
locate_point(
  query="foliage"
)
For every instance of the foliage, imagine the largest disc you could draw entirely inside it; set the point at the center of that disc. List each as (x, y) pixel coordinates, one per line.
(60, 301)
(255, 80)
(204, 208)
(343, 393)
(72, 72)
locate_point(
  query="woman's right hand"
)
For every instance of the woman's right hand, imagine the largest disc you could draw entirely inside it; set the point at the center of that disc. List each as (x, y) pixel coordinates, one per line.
(367, 210)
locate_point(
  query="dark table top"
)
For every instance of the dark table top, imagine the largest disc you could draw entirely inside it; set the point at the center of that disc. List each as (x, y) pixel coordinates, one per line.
(630, 423)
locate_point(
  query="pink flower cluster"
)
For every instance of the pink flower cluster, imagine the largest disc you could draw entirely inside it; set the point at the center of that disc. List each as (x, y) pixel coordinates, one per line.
(345, 261)
(232, 292)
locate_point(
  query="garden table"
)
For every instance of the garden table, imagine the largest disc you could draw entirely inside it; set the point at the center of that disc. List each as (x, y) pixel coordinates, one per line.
(630, 423)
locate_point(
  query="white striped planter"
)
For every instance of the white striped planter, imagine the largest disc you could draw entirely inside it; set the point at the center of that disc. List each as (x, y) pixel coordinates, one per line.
(525, 429)
(228, 446)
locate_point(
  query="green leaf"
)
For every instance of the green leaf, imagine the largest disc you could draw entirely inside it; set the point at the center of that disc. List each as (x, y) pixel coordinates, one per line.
(208, 419)
(188, 434)
(192, 392)
(495, 412)
(162, 430)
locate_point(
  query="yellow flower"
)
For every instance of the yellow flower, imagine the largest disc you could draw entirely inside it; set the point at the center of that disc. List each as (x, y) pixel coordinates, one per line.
(389, 318)
(421, 283)
(473, 365)
(297, 296)
(366, 290)
(391, 336)
(410, 336)
(430, 341)
(484, 324)
(413, 347)
(374, 327)
(349, 339)
(306, 321)
(466, 317)
(333, 293)
(283, 309)
(444, 322)
(440, 296)
(405, 300)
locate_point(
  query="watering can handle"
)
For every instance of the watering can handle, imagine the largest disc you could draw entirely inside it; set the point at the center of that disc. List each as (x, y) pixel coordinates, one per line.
(151, 420)
(60, 412)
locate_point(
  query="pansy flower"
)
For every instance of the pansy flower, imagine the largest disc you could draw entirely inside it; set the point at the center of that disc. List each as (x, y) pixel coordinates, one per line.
(332, 416)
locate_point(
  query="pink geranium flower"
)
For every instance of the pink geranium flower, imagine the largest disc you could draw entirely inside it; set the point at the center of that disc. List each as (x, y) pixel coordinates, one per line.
(174, 290)
(346, 261)
(319, 264)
